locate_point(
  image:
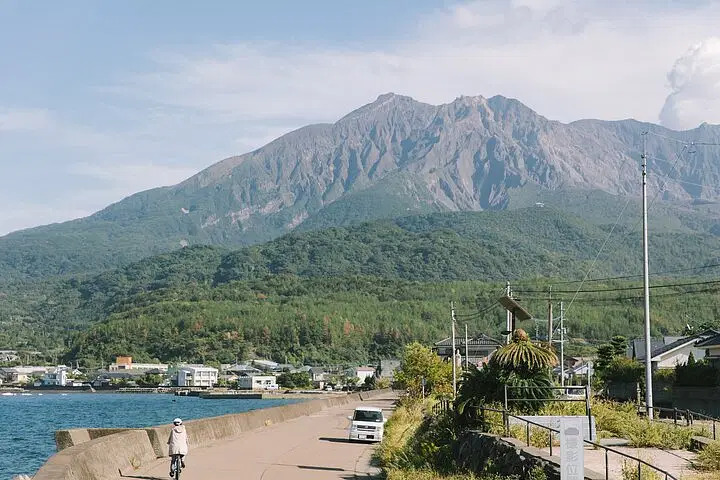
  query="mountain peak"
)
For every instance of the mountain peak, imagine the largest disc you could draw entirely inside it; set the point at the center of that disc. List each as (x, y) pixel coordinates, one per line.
(385, 103)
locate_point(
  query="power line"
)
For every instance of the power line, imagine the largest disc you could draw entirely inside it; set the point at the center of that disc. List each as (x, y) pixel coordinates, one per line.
(621, 289)
(609, 235)
(618, 299)
(685, 142)
(469, 316)
(624, 277)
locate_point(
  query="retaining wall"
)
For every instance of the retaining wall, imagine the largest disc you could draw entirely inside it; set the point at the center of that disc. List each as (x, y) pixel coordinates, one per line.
(482, 452)
(98, 454)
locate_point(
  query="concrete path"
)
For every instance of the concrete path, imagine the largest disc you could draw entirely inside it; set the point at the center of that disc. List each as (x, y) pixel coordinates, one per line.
(306, 448)
(675, 462)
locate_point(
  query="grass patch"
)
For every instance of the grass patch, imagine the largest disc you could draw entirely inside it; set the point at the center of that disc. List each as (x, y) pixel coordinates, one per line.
(709, 458)
(398, 474)
(630, 471)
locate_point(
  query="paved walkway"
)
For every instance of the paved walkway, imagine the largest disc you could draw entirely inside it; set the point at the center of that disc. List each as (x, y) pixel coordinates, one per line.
(675, 462)
(307, 448)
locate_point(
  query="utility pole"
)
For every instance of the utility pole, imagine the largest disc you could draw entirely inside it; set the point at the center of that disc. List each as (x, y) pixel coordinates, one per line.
(508, 316)
(467, 363)
(550, 319)
(646, 286)
(452, 356)
(562, 345)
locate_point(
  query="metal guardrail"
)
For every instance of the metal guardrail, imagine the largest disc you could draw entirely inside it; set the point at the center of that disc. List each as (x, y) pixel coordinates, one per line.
(506, 425)
(689, 416)
(442, 406)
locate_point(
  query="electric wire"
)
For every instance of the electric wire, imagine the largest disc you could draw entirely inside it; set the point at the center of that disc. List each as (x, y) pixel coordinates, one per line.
(473, 315)
(625, 277)
(621, 289)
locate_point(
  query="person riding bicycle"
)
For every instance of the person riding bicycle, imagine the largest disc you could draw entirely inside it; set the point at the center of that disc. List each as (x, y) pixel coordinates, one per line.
(177, 443)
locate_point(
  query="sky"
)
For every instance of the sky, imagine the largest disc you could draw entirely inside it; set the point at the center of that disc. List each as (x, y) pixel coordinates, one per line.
(99, 100)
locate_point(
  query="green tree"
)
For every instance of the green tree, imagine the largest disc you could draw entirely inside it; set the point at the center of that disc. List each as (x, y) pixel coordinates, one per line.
(419, 362)
(605, 355)
(294, 380)
(619, 345)
(522, 366)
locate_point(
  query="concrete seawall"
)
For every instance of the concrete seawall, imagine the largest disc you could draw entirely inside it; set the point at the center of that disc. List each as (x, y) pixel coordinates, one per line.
(99, 454)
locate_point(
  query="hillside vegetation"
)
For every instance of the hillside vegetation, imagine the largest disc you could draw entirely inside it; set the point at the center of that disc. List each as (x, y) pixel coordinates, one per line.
(356, 293)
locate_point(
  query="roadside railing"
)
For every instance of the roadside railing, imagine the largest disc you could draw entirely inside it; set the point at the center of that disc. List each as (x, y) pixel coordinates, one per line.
(528, 423)
(442, 406)
(688, 415)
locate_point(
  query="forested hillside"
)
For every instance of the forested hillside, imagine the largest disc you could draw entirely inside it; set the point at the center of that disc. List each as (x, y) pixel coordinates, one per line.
(358, 282)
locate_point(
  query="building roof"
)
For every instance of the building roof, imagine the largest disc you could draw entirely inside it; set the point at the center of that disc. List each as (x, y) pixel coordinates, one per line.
(667, 344)
(710, 340)
(479, 341)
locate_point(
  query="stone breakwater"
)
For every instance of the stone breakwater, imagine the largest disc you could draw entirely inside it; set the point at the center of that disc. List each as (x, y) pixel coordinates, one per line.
(99, 454)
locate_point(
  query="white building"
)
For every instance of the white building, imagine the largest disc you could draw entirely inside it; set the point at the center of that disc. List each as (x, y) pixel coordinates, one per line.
(57, 377)
(196, 376)
(123, 363)
(257, 382)
(362, 373)
(19, 375)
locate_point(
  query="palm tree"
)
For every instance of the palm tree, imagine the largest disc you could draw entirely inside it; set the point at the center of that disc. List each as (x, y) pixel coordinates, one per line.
(521, 365)
(524, 356)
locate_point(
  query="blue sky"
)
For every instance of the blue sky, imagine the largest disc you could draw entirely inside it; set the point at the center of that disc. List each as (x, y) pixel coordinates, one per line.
(99, 100)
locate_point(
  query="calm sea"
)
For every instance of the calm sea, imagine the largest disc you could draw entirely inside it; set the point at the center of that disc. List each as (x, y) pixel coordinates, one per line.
(28, 423)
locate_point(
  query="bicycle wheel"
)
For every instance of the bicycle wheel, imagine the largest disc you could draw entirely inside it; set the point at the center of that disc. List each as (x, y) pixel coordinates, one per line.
(178, 467)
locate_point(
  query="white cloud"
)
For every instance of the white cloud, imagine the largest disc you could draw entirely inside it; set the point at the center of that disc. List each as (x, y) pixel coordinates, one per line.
(16, 216)
(695, 83)
(27, 119)
(126, 179)
(568, 60)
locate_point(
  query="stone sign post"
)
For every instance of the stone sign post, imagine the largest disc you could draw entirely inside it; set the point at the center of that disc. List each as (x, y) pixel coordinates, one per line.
(572, 459)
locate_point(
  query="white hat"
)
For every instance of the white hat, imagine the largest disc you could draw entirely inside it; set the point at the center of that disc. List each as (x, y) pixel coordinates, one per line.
(177, 421)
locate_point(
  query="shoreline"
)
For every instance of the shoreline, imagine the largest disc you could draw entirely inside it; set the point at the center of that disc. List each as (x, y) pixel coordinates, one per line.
(205, 394)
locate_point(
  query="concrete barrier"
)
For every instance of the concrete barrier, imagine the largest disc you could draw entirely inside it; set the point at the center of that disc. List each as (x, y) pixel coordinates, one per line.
(100, 459)
(98, 453)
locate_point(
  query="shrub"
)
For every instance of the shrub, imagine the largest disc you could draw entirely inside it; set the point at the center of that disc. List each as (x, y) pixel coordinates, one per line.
(709, 457)
(622, 369)
(397, 474)
(698, 374)
(621, 420)
(630, 471)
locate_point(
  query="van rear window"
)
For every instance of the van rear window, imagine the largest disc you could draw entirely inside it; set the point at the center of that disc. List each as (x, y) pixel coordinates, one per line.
(368, 416)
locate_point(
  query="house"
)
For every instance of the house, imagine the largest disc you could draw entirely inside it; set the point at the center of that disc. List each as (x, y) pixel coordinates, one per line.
(317, 374)
(196, 376)
(123, 363)
(19, 375)
(710, 347)
(257, 382)
(241, 368)
(265, 365)
(577, 370)
(8, 356)
(361, 373)
(672, 351)
(388, 367)
(479, 348)
(56, 377)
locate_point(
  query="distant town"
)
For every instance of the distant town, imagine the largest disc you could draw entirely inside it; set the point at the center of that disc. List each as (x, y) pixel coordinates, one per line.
(255, 374)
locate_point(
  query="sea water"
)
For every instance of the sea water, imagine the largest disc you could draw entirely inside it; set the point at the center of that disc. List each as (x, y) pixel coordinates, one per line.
(28, 422)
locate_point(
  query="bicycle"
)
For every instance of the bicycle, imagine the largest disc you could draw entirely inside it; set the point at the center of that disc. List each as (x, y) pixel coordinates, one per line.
(176, 466)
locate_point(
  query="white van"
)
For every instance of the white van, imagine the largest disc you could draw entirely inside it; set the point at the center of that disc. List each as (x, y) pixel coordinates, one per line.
(367, 424)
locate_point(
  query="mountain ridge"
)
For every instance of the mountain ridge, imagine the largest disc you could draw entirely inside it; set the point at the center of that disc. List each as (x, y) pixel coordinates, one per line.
(466, 155)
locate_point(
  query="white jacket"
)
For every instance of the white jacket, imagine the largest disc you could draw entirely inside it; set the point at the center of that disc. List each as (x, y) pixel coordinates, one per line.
(177, 442)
